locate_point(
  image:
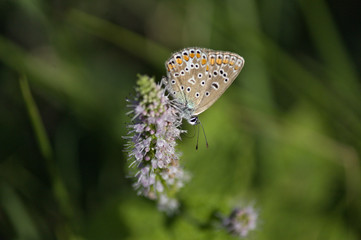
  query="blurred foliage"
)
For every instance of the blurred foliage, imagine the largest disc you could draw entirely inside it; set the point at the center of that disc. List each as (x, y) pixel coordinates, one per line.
(286, 135)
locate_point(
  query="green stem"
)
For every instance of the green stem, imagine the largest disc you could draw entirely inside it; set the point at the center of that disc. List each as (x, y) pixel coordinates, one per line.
(59, 190)
(37, 123)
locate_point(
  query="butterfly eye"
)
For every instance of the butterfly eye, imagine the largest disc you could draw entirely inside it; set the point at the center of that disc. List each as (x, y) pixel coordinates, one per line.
(182, 87)
(207, 94)
(200, 75)
(215, 73)
(182, 72)
(221, 71)
(187, 69)
(197, 66)
(197, 94)
(203, 83)
(226, 80)
(173, 81)
(188, 89)
(193, 120)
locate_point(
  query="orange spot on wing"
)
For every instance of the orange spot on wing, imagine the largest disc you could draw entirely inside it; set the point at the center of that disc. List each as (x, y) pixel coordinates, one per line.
(212, 60)
(179, 61)
(225, 61)
(198, 55)
(204, 61)
(186, 57)
(191, 55)
(207, 68)
(219, 61)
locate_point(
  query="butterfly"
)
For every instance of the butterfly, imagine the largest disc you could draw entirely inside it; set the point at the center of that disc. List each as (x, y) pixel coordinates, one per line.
(197, 77)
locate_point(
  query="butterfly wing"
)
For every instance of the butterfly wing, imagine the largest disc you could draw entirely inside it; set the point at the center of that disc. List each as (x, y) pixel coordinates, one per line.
(174, 79)
(197, 77)
(222, 68)
(186, 76)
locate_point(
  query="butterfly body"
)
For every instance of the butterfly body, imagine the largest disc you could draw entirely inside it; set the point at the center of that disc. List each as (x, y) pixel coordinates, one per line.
(197, 77)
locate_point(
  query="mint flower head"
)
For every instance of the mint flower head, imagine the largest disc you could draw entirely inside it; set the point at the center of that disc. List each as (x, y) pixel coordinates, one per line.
(151, 141)
(241, 221)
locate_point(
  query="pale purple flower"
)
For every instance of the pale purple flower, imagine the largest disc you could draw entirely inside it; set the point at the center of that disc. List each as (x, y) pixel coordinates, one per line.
(241, 221)
(154, 162)
(168, 204)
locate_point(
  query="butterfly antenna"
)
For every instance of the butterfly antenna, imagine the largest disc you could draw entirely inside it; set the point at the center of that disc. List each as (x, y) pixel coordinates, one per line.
(204, 133)
(197, 138)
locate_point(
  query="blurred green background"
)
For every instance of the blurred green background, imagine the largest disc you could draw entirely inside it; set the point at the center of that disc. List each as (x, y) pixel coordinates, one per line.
(286, 136)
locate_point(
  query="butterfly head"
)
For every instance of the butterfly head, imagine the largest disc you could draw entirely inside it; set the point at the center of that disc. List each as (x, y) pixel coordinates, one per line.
(187, 113)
